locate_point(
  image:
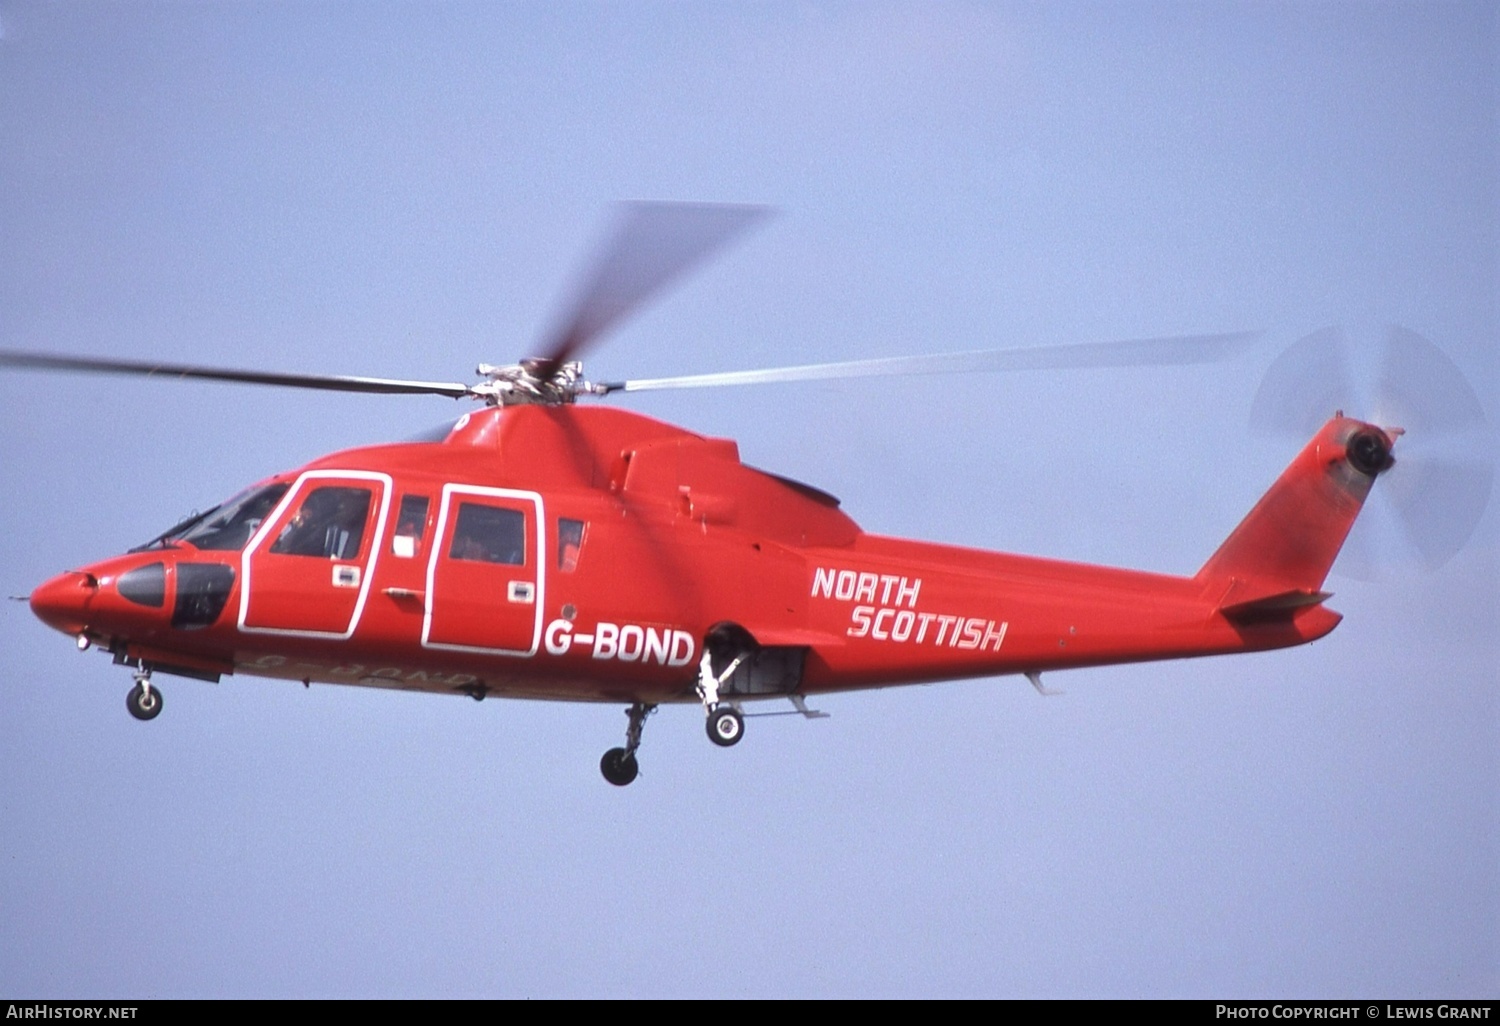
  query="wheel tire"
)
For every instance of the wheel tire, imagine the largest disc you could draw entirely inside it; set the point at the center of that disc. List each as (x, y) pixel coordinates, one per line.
(725, 726)
(619, 766)
(141, 706)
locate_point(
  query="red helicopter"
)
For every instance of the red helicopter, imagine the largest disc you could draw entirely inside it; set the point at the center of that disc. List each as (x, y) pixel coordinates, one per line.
(543, 549)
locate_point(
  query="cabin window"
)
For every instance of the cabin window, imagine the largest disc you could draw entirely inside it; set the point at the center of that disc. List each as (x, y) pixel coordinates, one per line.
(411, 525)
(486, 534)
(569, 544)
(330, 524)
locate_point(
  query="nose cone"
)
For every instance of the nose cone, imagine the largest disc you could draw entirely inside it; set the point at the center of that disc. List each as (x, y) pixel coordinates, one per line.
(64, 601)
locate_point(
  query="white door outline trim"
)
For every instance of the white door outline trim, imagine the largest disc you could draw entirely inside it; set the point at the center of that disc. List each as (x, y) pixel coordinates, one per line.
(369, 566)
(535, 498)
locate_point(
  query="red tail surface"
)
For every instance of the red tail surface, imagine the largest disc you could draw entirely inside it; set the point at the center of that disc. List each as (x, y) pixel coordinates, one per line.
(1275, 561)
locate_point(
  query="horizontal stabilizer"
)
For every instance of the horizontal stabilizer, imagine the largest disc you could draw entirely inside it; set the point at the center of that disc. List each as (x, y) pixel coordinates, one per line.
(1279, 605)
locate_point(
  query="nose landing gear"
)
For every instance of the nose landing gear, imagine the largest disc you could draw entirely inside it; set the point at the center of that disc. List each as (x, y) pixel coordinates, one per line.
(143, 701)
(618, 765)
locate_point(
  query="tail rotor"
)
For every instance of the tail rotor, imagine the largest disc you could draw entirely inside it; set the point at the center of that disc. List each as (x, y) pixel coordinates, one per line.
(1428, 507)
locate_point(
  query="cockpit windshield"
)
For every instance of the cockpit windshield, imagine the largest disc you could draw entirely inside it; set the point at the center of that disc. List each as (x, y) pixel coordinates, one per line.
(227, 527)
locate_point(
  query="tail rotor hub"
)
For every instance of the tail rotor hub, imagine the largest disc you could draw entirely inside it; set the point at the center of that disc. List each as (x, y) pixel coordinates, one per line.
(1369, 452)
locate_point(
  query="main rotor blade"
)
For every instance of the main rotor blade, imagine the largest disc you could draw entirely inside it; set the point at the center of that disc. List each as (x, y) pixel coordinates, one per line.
(653, 244)
(1181, 349)
(141, 368)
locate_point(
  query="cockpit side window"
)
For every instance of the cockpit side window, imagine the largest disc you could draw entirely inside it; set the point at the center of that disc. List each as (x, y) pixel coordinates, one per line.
(330, 524)
(231, 526)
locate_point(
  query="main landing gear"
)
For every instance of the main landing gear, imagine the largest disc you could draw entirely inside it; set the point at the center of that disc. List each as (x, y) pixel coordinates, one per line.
(618, 765)
(725, 724)
(143, 701)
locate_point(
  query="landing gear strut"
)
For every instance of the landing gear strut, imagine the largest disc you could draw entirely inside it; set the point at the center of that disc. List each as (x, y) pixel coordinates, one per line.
(144, 701)
(725, 724)
(618, 765)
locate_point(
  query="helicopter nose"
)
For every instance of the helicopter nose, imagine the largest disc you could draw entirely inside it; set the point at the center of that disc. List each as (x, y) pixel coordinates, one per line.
(63, 602)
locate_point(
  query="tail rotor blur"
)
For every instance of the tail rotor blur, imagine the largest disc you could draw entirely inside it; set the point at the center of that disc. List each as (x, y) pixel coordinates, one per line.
(1425, 511)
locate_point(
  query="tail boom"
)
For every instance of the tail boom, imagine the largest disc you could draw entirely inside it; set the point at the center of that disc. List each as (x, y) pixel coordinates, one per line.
(891, 611)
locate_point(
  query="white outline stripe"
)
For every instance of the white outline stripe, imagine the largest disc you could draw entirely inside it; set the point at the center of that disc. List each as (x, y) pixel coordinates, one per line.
(535, 498)
(369, 566)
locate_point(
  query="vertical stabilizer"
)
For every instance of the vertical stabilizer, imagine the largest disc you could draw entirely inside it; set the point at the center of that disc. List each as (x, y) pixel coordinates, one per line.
(1276, 559)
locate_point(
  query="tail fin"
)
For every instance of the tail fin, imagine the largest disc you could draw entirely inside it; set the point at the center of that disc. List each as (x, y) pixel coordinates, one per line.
(1274, 563)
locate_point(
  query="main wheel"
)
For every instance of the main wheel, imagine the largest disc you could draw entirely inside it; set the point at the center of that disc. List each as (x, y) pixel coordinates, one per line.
(143, 704)
(725, 726)
(619, 766)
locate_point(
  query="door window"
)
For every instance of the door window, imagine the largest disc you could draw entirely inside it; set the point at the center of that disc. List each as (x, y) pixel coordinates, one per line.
(486, 534)
(330, 524)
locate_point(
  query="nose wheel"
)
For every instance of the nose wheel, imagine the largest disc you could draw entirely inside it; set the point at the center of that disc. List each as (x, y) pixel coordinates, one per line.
(618, 765)
(143, 701)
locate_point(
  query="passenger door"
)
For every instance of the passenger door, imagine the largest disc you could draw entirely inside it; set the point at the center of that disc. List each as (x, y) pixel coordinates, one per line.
(484, 574)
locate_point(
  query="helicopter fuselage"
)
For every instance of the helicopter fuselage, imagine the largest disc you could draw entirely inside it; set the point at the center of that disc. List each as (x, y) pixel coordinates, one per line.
(597, 555)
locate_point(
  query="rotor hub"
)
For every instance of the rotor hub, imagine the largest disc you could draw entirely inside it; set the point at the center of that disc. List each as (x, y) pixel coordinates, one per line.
(528, 384)
(1369, 451)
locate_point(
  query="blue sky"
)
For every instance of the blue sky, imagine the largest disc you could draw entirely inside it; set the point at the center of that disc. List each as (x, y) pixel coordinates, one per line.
(406, 190)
